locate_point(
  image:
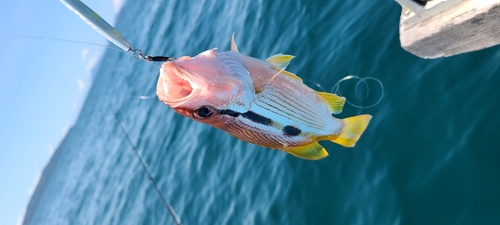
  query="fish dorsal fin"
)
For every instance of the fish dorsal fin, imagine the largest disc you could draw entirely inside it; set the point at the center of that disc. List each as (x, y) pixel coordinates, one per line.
(291, 75)
(281, 61)
(334, 102)
(234, 48)
(313, 151)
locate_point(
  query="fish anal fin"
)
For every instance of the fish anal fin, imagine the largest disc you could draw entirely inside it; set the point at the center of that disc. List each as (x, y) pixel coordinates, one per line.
(281, 61)
(334, 102)
(352, 131)
(234, 48)
(313, 151)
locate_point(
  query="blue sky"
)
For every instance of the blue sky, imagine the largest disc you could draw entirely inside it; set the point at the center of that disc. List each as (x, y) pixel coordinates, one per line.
(43, 85)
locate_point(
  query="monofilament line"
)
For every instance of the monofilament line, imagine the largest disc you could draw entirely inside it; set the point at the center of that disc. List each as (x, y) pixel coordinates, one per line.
(169, 208)
(336, 90)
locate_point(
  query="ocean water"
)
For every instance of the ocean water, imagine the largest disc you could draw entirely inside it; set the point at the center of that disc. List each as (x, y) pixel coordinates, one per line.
(431, 154)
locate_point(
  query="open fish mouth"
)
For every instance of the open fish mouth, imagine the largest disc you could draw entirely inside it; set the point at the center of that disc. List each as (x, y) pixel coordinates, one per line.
(173, 84)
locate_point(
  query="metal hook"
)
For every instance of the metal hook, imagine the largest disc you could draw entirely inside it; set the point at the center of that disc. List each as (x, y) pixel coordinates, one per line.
(138, 54)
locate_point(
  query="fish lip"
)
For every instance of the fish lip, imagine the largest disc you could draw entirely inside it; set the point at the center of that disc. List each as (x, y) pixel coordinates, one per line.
(171, 72)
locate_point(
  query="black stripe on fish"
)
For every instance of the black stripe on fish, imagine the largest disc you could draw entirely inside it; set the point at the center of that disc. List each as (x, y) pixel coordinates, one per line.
(229, 112)
(291, 131)
(254, 117)
(257, 118)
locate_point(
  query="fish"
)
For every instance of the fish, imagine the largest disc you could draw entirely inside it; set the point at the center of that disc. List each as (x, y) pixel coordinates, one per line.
(257, 101)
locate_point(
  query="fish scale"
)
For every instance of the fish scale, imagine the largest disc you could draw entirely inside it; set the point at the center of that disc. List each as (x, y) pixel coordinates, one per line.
(272, 135)
(289, 113)
(276, 102)
(267, 136)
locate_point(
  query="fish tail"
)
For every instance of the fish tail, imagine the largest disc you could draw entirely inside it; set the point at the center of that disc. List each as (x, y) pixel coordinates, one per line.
(353, 128)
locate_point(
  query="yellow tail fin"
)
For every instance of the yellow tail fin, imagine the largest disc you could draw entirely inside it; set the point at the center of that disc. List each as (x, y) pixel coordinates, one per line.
(353, 128)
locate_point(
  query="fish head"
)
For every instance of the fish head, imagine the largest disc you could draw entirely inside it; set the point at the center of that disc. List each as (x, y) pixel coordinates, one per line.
(199, 87)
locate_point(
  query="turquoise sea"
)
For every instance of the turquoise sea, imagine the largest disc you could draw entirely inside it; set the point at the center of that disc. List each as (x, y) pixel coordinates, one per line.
(431, 154)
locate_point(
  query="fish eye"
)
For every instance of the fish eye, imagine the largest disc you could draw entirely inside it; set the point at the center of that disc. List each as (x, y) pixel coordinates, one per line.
(203, 112)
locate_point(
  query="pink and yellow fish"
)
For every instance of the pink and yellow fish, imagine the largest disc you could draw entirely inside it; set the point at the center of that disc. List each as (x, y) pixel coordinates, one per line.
(257, 101)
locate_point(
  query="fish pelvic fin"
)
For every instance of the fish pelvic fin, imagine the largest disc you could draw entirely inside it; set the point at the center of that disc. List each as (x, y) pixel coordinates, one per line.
(281, 61)
(313, 151)
(234, 48)
(334, 102)
(352, 131)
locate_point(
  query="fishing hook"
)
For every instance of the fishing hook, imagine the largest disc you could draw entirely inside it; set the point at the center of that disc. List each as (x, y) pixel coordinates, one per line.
(138, 54)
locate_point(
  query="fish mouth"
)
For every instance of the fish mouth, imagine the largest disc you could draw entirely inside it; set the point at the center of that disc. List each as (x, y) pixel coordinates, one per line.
(174, 85)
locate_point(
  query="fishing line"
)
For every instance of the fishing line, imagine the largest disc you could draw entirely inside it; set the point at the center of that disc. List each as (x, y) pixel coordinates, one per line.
(145, 97)
(63, 40)
(147, 58)
(312, 83)
(169, 208)
(272, 78)
(336, 90)
(100, 25)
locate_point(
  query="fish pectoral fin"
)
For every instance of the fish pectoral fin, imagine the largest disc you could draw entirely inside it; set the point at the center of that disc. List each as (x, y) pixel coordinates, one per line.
(352, 131)
(313, 151)
(279, 60)
(334, 102)
(234, 48)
